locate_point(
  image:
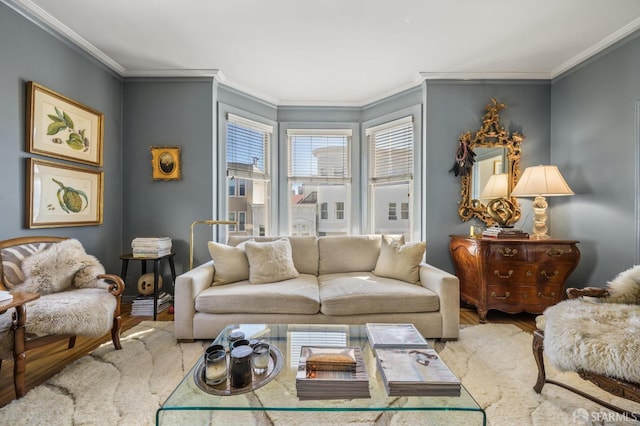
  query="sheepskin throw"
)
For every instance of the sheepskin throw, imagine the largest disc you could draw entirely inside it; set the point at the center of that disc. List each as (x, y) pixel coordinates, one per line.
(625, 288)
(60, 267)
(603, 338)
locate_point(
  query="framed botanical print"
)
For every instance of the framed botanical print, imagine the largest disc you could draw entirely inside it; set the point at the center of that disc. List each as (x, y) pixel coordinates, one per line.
(62, 128)
(62, 195)
(165, 163)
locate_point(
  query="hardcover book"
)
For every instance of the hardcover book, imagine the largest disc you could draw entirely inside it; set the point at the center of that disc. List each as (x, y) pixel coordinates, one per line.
(383, 335)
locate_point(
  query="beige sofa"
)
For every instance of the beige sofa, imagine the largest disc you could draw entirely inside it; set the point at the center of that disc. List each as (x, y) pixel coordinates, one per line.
(335, 285)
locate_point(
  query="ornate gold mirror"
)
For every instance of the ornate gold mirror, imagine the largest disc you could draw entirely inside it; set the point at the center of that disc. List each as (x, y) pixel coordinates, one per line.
(489, 167)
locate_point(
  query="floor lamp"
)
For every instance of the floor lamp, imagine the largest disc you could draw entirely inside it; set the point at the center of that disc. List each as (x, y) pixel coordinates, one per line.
(541, 182)
(209, 222)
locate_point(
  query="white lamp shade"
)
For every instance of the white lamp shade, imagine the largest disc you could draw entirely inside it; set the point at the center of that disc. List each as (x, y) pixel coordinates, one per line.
(541, 180)
(497, 186)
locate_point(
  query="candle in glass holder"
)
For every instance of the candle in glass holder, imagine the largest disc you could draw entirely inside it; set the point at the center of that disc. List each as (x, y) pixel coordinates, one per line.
(260, 358)
(215, 369)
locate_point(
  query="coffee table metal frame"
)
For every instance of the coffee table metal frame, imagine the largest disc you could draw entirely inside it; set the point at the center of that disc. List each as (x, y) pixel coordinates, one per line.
(187, 396)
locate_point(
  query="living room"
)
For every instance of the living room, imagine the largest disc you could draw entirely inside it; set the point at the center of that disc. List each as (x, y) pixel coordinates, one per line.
(584, 120)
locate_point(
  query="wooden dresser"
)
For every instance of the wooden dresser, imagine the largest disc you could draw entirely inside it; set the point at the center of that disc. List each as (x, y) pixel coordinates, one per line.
(512, 275)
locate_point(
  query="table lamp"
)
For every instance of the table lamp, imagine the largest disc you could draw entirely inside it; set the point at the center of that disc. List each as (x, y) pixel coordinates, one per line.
(499, 208)
(541, 182)
(209, 222)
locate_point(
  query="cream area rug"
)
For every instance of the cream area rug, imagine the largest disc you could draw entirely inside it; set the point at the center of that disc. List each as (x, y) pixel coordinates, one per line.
(126, 387)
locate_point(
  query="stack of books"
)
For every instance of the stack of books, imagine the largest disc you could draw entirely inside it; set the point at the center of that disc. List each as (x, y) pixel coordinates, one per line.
(415, 372)
(151, 247)
(408, 365)
(142, 306)
(331, 373)
(504, 233)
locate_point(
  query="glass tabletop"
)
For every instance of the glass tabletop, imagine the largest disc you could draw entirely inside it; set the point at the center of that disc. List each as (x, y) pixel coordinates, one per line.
(278, 397)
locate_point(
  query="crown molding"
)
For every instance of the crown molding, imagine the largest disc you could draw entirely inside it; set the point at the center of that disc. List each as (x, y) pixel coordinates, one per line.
(169, 73)
(623, 32)
(485, 75)
(43, 19)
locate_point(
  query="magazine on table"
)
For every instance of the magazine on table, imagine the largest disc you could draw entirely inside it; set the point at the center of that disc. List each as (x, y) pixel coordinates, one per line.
(384, 335)
(415, 372)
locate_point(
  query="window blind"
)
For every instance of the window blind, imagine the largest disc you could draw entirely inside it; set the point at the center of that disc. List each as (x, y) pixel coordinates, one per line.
(391, 150)
(248, 148)
(319, 155)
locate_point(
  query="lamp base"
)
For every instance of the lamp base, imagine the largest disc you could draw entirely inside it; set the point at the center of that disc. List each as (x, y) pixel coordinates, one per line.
(540, 219)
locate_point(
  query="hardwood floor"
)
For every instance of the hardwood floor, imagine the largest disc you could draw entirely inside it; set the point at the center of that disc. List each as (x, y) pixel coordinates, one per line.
(43, 363)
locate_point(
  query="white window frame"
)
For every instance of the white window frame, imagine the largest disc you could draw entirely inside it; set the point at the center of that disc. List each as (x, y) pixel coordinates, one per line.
(242, 221)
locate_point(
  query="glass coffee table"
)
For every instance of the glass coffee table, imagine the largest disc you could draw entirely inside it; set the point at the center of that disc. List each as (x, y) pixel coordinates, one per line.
(276, 401)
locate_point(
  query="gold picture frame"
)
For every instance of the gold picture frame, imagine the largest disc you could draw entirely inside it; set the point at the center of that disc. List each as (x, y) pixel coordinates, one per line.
(62, 195)
(60, 127)
(165, 163)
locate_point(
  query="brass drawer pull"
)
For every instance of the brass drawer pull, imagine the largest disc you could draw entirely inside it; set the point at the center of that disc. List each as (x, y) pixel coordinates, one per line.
(550, 297)
(508, 252)
(556, 252)
(495, 296)
(497, 273)
(548, 275)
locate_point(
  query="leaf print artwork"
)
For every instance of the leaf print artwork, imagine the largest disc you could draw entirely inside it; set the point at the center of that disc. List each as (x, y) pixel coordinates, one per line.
(61, 121)
(71, 200)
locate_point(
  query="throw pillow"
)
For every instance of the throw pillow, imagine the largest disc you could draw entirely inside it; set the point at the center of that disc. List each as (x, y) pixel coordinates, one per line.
(400, 261)
(54, 269)
(270, 262)
(625, 288)
(230, 263)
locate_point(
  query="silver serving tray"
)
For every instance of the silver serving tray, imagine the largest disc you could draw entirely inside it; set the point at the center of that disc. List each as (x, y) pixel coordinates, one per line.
(258, 380)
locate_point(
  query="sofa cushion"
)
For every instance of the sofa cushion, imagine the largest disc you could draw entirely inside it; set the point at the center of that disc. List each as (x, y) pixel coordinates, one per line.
(295, 296)
(270, 261)
(348, 253)
(304, 250)
(230, 263)
(400, 261)
(365, 293)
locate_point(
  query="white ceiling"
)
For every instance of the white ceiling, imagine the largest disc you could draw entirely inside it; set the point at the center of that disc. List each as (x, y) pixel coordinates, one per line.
(338, 52)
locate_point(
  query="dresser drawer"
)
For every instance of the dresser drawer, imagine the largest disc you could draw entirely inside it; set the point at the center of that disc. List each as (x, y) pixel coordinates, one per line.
(504, 294)
(551, 273)
(552, 253)
(504, 252)
(509, 273)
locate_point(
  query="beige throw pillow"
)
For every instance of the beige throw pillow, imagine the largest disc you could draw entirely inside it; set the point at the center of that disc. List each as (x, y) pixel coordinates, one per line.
(270, 261)
(400, 261)
(230, 263)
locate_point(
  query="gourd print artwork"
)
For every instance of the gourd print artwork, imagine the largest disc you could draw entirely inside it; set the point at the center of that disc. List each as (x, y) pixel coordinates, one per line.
(70, 199)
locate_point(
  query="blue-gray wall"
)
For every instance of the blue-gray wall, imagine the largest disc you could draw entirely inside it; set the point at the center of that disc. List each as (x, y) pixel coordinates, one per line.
(28, 52)
(453, 108)
(174, 113)
(595, 144)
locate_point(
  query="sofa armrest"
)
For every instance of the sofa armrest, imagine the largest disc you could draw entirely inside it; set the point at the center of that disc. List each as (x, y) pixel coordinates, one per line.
(187, 288)
(447, 287)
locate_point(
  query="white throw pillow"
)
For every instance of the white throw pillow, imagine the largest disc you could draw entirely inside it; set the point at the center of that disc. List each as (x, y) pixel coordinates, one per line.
(230, 263)
(270, 261)
(400, 261)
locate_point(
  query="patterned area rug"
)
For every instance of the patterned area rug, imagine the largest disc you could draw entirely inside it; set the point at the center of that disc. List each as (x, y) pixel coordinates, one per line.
(126, 387)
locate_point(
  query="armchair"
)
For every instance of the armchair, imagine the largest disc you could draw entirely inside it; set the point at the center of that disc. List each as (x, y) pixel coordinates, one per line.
(595, 334)
(76, 298)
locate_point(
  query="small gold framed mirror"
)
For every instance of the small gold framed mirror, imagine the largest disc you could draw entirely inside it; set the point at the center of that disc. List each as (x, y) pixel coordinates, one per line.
(488, 163)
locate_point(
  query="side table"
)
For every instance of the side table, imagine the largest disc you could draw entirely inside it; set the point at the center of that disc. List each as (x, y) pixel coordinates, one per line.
(19, 320)
(156, 272)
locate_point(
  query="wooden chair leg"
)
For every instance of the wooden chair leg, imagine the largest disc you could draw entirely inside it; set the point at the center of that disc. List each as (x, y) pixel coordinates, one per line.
(115, 332)
(538, 346)
(19, 355)
(72, 342)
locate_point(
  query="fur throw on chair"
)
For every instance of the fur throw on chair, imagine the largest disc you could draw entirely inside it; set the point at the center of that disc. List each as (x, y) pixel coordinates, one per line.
(625, 288)
(62, 266)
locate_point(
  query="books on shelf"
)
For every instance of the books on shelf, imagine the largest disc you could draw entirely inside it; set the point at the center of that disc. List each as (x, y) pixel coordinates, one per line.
(143, 305)
(415, 372)
(325, 383)
(151, 247)
(5, 295)
(504, 233)
(386, 335)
